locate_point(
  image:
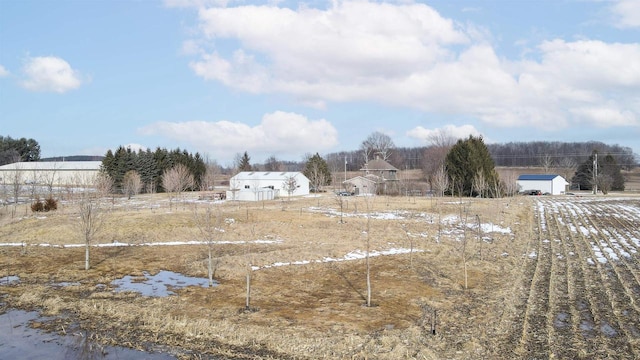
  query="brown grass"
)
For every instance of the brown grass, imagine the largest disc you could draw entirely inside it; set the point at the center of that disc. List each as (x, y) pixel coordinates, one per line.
(303, 311)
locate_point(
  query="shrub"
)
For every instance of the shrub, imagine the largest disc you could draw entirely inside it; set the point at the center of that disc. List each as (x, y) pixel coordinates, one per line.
(37, 206)
(50, 204)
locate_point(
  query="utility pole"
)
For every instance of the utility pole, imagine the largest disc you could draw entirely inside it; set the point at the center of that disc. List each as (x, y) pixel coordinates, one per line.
(595, 174)
(345, 168)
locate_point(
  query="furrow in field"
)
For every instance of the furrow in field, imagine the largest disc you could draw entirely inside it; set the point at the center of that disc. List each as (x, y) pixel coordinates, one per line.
(563, 318)
(626, 225)
(534, 340)
(617, 240)
(608, 291)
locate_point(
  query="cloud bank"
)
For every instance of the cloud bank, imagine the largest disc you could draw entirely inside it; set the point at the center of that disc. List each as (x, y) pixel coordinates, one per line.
(279, 133)
(408, 55)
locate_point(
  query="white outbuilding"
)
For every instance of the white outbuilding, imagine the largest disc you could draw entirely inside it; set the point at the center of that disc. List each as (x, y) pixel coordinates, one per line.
(546, 183)
(53, 173)
(257, 185)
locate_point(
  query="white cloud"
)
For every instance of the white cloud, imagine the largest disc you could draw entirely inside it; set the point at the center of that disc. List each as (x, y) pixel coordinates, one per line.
(3, 72)
(626, 13)
(50, 73)
(425, 135)
(408, 55)
(279, 133)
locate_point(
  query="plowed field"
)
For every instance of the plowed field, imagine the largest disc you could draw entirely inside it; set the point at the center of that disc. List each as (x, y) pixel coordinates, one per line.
(583, 277)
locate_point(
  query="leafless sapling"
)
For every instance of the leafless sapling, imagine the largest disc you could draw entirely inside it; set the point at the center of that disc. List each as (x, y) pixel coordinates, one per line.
(176, 180)
(209, 223)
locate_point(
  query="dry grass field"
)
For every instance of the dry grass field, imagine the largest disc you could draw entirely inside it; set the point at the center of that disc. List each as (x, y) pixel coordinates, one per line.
(546, 277)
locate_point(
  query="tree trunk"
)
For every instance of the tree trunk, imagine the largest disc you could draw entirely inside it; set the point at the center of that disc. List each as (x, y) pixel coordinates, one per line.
(248, 301)
(86, 256)
(210, 268)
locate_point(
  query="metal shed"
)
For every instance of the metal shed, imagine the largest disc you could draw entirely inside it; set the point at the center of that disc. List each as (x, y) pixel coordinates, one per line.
(546, 183)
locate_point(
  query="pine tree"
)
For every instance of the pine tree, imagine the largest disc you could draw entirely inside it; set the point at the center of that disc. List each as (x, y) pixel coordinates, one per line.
(609, 174)
(317, 171)
(244, 164)
(467, 162)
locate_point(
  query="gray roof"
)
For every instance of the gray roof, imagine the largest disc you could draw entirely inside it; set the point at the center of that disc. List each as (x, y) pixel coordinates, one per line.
(268, 175)
(379, 164)
(53, 165)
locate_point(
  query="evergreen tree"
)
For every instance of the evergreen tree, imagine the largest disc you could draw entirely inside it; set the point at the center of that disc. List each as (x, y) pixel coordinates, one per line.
(467, 162)
(244, 163)
(583, 178)
(150, 166)
(609, 174)
(317, 171)
(12, 150)
(611, 169)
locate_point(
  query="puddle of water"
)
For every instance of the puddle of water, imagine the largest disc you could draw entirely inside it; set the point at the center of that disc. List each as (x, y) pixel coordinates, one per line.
(587, 328)
(19, 341)
(10, 280)
(65, 284)
(608, 330)
(158, 285)
(561, 320)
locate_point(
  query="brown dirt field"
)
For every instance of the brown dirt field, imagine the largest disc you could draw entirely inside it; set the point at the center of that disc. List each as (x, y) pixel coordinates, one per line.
(310, 311)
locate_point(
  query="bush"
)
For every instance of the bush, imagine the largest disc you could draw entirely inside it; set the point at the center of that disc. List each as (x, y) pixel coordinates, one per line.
(37, 206)
(50, 204)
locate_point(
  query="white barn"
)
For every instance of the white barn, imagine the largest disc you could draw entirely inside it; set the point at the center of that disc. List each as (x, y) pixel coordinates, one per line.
(257, 185)
(54, 173)
(547, 183)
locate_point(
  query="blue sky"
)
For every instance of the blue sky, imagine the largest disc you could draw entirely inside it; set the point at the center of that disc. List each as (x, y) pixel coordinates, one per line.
(286, 78)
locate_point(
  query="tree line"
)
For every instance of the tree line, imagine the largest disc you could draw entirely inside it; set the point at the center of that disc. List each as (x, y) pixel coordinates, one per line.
(150, 166)
(512, 154)
(16, 150)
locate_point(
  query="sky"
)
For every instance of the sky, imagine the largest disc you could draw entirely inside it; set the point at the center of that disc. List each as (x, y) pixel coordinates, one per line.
(288, 78)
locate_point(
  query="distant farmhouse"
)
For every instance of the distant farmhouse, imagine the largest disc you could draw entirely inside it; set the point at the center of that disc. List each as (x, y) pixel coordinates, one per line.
(258, 186)
(52, 173)
(378, 177)
(548, 183)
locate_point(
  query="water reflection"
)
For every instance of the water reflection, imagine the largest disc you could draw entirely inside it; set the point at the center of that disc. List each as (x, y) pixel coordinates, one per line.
(20, 341)
(158, 285)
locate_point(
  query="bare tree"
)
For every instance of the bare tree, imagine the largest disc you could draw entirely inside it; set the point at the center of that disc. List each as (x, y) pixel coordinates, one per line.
(480, 183)
(91, 219)
(176, 180)
(103, 184)
(249, 269)
(547, 162)
(440, 181)
(433, 159)
(131, 183)
(377, 144)
(273, 164)
(510, 184)
(209, 224)
(212, 171)
(49, 177)
(16, 182)
(340, 200)
(367, 234)
(290, 185)
(568, 166)
(410, 238)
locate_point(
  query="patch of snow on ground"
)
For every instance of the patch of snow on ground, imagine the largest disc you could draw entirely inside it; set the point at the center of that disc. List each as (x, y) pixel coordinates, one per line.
(490, 228)
(590, 261)
(167, 243)
(598, 254)
(354, 255)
